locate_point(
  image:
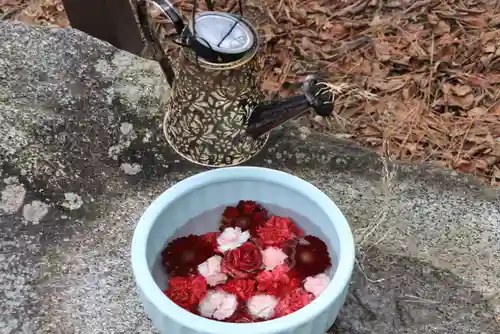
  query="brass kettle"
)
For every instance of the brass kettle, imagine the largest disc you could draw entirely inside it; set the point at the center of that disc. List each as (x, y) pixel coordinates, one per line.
(217, 115)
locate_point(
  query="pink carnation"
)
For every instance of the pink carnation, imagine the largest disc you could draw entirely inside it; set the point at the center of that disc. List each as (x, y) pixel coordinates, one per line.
(316, 284)
(293, 302)
(262, 306)
(273, 257)
(211, 270)
(232, 238)
(219, 305)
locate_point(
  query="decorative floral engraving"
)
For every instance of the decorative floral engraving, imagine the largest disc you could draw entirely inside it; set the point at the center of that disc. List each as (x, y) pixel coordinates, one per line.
(206, 118)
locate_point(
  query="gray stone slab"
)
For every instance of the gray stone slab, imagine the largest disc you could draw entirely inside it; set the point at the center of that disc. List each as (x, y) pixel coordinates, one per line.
(82, 155)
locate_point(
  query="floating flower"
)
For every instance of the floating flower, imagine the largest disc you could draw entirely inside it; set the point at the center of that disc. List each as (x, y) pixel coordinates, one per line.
(232, 238)
(219, 305)
(293, 302)
(242, 262)
(211, 238)
(182, 256)
(262, 306)
(186, 291)
(277, 282)
(273, 257)
(316, 284)
(277, 231)
(258, 268)
(242, 288)
(247, 215)
(211, 270)
(310, 256)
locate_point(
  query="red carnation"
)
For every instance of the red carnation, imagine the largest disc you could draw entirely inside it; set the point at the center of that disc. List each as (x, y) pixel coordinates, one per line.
(309, 256)
(247, 215)
(277, 231)
(242, 288)
(278, 282)
(293, 302)
(242, 262)
(187, 292)
(182, 256)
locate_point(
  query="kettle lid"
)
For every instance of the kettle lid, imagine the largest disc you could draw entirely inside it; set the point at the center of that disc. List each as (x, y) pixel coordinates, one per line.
(223, 32)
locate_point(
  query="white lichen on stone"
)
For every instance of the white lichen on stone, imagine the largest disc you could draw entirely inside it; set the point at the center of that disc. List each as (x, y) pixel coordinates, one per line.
(11, 180)
(147, 136)
(299, 156)
(103, 66)
(304, 132)
(35, 211)
(131, 169)
(129, 93)
(127, 135)
(12, 198)
(72, 201)
(126, 128)
(13, 139)
(122, 59)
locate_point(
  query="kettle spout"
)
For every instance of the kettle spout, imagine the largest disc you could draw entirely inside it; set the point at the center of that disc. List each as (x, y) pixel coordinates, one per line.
(267, 115)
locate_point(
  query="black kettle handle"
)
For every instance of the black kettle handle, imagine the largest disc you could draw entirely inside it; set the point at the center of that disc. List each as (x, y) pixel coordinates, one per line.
(151, 36)
(267, 115)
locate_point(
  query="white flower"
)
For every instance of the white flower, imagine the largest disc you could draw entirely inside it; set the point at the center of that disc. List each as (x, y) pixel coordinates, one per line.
(219, 305)
(211, 270)
(232, 238)
(273, 257)
(316, 284)
(262, 306)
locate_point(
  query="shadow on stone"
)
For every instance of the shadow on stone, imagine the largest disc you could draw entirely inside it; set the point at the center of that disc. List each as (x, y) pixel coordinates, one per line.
(403, 295)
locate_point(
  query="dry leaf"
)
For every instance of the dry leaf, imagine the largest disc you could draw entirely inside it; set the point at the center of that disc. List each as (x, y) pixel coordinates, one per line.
(478, 111)
(489, 36)
(496, 173)
(370, 131)
(481, 164)
(383, 51)
(9, 3)
(389, 86)
(465, 102)
(461, 90)
(433, 19)
(465, 166)
(489, 48)
(441, 28)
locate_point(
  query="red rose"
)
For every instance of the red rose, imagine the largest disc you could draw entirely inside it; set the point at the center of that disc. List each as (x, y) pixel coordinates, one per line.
(242, 262)
(277, 231)
(293, 302)
(187, 292)
(242, 288)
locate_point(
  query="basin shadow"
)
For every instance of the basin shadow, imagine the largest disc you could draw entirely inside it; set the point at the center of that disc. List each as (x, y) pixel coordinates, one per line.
(398, 294)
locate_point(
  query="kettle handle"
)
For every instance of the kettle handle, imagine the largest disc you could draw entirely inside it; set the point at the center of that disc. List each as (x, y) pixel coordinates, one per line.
(267, 115)
(150, 35)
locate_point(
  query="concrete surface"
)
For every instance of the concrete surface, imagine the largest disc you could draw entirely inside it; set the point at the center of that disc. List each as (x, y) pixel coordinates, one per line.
(82, 155)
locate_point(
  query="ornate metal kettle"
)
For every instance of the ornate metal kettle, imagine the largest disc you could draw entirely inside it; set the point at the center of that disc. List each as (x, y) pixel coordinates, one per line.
(216, 115)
